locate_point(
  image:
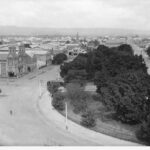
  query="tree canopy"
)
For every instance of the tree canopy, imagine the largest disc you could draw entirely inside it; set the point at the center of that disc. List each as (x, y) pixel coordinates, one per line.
(122, 81)
(148, 51)
(59, 58)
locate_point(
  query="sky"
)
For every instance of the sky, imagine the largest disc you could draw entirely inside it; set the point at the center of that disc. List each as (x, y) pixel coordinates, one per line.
(126, 14)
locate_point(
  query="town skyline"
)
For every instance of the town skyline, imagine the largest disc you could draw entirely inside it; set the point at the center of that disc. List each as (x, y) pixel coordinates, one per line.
(26, 30)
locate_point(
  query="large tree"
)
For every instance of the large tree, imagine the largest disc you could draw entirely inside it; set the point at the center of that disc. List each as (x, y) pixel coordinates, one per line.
(59, 58)
(148, 51)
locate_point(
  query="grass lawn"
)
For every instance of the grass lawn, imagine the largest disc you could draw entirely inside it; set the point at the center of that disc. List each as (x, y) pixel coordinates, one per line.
(105, 125)
(104, 122)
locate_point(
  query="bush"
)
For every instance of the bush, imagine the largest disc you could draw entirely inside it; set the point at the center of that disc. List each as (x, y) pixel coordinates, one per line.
(52, 86)
(58, 101)
(88, 119)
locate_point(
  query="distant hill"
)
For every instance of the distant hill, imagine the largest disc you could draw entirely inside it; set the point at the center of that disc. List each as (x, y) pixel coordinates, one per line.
(14, 30)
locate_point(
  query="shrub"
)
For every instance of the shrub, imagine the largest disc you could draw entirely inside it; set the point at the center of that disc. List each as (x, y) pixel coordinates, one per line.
(58, 101)
(88, 119)
(52, 86)
(79, 106)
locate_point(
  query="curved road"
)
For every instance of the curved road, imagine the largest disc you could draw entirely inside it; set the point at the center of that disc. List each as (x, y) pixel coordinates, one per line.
(27, 119)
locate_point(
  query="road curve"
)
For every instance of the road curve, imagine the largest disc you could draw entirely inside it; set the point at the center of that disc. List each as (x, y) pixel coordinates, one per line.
(33, 121)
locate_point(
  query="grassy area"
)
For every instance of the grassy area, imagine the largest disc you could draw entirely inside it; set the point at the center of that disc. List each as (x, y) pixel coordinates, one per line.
(105, 125)
(104, 121)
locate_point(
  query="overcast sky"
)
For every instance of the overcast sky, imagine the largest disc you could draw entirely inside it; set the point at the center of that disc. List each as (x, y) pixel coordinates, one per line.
(134, 14)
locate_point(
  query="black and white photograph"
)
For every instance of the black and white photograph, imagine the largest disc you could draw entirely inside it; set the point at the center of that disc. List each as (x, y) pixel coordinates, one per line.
(74, 73)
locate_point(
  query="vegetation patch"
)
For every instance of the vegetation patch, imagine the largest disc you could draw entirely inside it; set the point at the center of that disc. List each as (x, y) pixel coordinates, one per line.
(59, 58)
(122, 81)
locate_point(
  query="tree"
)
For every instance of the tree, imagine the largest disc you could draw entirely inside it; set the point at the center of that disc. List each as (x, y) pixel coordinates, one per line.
(76, 75)
(126, 95)
(58, 101)
(78, 65)
(65, 67)
(77, 96)
(148, 51)
(126, 49)
(88, 119)
(53, 86)
(122, 81)
(59, 58)
(27, 45)
(90, 65)
(144, 132)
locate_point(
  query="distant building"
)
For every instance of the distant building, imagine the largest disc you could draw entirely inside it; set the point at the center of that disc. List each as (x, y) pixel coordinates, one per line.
(114, 42)
(44, 58)
(15, 64)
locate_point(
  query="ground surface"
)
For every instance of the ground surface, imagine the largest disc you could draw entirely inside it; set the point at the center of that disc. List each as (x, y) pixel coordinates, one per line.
(27, 119)
(103, 125)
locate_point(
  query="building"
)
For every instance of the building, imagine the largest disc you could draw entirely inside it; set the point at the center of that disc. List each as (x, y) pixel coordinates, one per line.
(3, 65)
(116, 41)
(15, 64)
(43, 57)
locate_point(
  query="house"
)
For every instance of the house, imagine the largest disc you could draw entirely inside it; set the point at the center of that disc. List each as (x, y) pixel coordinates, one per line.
(43, 57)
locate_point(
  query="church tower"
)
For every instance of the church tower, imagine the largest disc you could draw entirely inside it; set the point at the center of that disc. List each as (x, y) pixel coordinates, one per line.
(12, 51)
(21, 50)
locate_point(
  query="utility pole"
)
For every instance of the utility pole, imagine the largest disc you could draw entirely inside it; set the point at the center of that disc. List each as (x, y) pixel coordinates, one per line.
(66, 116)
(40, 88)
